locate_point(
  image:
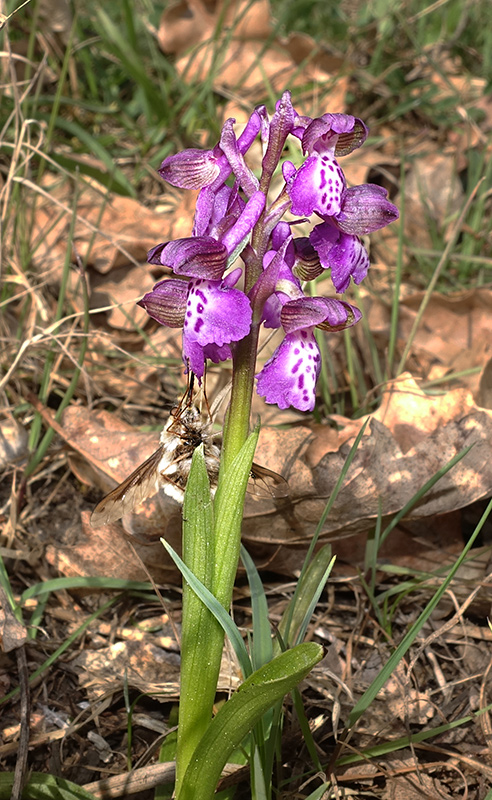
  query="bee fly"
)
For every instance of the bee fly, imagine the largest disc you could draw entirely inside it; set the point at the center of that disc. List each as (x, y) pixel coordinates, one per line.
(169, 466)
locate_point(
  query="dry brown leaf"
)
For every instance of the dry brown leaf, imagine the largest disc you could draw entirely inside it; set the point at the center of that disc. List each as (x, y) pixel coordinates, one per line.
(109, 551)
(243, 66)
(104, 451)
(144, 666)
(381, 471)
(126, 229)
(433, 192)
(121, 290)
(109, 448)
(405, 702)
(187, 23)
(247, 56)
(407, 441)
(151, 669)
(455, 332)
(12, 633)
(414, 785)
(13, 443)
(485, 386)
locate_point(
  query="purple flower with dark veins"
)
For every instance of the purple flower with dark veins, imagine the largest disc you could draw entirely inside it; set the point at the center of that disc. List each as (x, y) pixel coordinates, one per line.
(318, 184)
(217, 300)
(289, 377)
(210, 310)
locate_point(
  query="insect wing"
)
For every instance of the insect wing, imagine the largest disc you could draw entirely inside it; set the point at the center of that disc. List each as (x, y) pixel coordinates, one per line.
(267, 483)
(140, 485)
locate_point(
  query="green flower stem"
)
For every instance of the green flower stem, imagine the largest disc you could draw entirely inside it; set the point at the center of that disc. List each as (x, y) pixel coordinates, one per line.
(229, 502)
(214, 561)
(236, 427)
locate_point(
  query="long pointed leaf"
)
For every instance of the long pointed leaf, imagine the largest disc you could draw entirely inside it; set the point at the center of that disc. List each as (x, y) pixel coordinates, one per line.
(239, 714)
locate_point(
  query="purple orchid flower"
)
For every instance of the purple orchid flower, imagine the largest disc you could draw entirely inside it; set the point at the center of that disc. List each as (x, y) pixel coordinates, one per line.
(289, 377)
(210, 310)
(236, 218)
(319, 183)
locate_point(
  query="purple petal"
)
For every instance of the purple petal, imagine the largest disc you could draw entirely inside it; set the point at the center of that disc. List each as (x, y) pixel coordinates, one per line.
(276, 277)
(245, 222)
(364, 209)
(230, 147)
(191, 169)
(252, 129)
(272, 309)
(232, 277)
(289, 377)
(288, 171)
(340, 133)
(166, 303)
(345, 255)
(280, 233)
(196, 256)
(210, 205)
(318, 186)
(194, 355)
(281, 124)
(301, 123)
(326, 313)
(217, 210)
(215, 314)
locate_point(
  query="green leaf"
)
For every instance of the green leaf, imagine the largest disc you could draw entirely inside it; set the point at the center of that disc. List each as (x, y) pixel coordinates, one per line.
(44, 787)
(199, 672)
(218, 610)
(238, 716)
(299, 611)
(262, 648)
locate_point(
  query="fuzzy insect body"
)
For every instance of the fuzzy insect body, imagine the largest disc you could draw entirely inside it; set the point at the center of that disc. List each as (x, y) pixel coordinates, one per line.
(168, 468)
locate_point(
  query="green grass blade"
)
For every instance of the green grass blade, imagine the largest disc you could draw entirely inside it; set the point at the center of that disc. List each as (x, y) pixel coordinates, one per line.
(219, 612)
(262, 648)
(296, 617)
(367, 698)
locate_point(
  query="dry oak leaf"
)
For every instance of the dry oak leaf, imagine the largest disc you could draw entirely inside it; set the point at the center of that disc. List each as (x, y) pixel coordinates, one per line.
(104, 451)
(412, 783)
(237, 35)
(407, 441)
(118, 230)
(144, 666)
(455, 332)
(110, 552)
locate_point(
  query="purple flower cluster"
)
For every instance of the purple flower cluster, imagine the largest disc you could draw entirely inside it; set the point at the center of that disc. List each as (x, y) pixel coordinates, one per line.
(216, 303)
